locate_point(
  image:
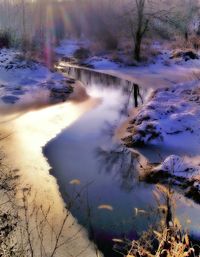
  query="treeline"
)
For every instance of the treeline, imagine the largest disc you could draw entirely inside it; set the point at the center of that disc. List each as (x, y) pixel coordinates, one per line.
(108, 24)
(31, 25)
(111, 23)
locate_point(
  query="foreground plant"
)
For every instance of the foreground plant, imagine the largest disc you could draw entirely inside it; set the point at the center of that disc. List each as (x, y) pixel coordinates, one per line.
(171, 243)
(163, 239)
(168, 239)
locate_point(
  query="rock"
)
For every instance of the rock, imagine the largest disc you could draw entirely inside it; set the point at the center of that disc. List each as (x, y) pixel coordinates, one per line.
(61, 90)
(70, 60)
(61, 93)
(190, 55)
(82, 53)
(70, 81)
(193, 192)
(153, 177)
(10, 99)
(179, 172)
(86, 65)
(186, 55)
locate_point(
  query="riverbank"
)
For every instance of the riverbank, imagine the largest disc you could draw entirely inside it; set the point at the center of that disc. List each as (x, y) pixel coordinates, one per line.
(42, 222)
(26, 83)
(169, 122)
(167, 68)
(34, 121)
(35, 129)
(28, 133)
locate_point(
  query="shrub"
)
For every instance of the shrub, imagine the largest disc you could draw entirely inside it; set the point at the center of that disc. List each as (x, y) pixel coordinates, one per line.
(82, 53)
(5, 39)
(110, 40)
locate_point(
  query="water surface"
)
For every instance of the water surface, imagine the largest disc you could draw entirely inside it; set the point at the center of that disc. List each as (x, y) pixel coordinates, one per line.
(98, 177)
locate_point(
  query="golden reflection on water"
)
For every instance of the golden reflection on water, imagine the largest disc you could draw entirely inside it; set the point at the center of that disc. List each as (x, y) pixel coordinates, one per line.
(27, 134)
(31, 131)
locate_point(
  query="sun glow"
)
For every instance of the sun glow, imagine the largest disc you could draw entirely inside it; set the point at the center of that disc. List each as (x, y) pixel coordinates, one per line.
(30, 132)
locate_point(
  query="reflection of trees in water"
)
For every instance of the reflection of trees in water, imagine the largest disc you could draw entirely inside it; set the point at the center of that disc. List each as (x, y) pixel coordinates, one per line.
(115, 158)
(135, 94)
(109, 128)
(121, 162)
(88, 77)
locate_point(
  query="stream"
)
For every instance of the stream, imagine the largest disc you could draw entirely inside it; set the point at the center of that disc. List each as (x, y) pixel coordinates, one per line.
(97, 176)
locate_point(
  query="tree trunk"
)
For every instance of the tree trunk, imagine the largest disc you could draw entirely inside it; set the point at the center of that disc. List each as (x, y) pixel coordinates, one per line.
(186, 36)
(137, 49)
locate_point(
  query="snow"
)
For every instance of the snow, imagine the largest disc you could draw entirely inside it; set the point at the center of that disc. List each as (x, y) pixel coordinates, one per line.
(68, 46)
(19, 77)
(180, 167)
(170, 111)
(170, 118)
(100, 63)
(161, 71)
(183, 172)
(29, 130)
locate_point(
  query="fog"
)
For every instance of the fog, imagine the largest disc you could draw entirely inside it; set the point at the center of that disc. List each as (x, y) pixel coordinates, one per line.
(48, 21)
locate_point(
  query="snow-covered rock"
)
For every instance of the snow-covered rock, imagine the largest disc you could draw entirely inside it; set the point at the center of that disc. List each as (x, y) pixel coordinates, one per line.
(184, 55)
(179, 167)
(182, 172)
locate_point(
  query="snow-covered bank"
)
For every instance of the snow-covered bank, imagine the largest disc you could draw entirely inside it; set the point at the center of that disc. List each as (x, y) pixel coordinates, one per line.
(170, 111)
(182, 172)
(28, 120)
(68, 47)
(170, 120)
(165, 69)
(20, 77)
(25, 135)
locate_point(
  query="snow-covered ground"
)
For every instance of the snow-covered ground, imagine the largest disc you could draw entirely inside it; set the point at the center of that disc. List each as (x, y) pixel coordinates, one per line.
(68, 47)
(161, 71)
(170, 111)
(19, 76)
(100, 63)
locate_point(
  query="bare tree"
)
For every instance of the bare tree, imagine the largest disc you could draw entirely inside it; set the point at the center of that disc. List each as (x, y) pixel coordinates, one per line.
(141, 27)
(142, 17)
(183, 16)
